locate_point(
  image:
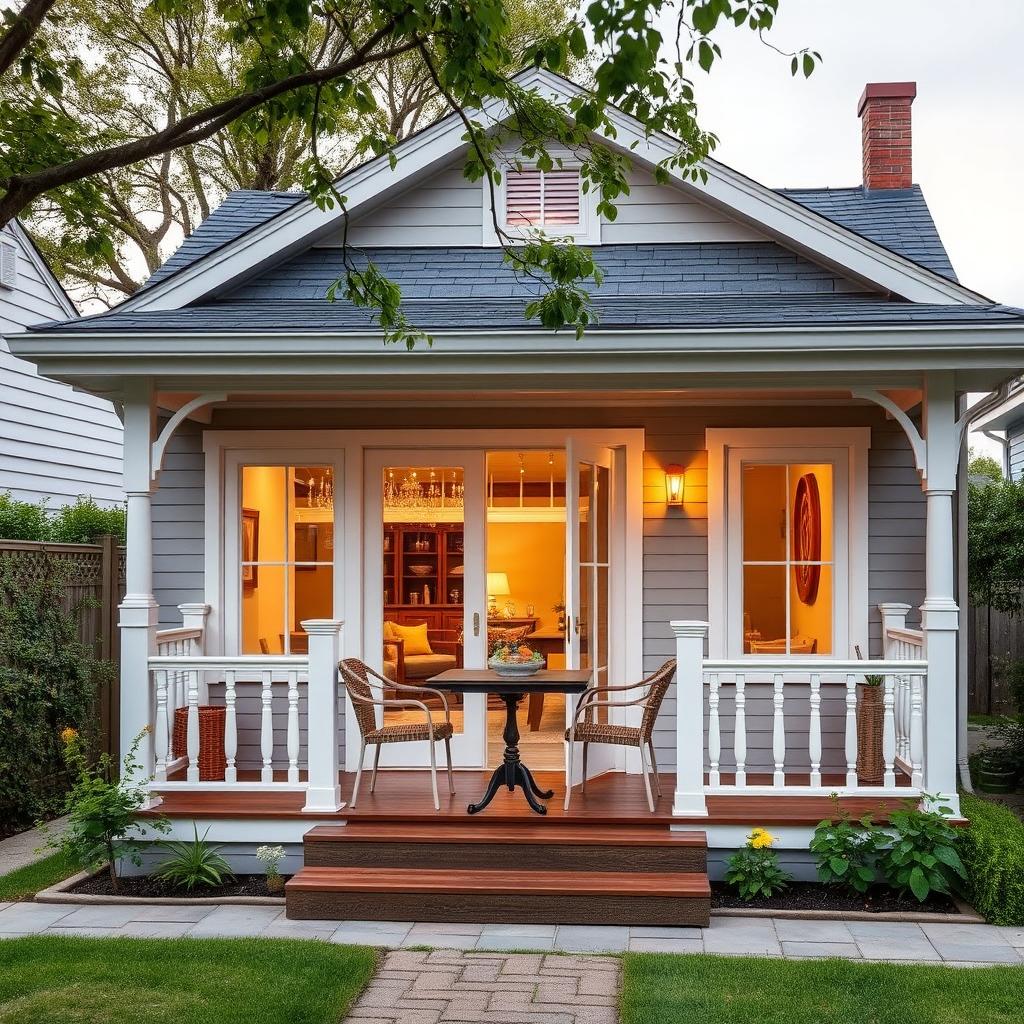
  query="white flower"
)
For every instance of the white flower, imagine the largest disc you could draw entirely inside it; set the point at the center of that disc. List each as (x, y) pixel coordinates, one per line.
(271, 857)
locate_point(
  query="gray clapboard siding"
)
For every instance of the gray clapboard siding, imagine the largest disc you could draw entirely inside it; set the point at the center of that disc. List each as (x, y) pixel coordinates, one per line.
(449, 210)
(1015, 440)
(55, 443)
(178, 526)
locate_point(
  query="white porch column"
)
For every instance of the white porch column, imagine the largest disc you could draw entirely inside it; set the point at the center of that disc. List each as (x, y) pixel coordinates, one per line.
(894, 616)
(689, 797)
(138, 610)
(939, 613)
(323, 796)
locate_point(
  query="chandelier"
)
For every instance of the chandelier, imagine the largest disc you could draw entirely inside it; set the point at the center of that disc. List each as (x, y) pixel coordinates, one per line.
(320, 493)
(412, 493)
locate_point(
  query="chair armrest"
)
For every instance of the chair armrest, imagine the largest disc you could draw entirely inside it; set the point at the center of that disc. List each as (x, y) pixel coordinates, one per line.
(399, 646)
(444, 646)
(409, 688)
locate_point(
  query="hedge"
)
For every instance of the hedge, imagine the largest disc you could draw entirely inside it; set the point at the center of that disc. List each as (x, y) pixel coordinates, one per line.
(992, 849)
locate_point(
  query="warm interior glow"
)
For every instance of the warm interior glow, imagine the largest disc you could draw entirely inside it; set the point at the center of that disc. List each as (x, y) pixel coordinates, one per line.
(787, 596)
(497, 584)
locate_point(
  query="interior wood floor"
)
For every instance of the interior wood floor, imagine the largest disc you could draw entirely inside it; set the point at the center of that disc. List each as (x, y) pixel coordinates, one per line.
(404, 795)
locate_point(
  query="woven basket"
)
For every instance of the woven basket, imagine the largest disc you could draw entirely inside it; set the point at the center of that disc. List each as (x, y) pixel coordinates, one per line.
(870, 713)
(212, 760)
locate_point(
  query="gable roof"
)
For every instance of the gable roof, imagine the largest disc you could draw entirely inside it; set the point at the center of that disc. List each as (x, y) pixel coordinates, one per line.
(776, 214)
(708, 285)
(31, 252)
(898, 219)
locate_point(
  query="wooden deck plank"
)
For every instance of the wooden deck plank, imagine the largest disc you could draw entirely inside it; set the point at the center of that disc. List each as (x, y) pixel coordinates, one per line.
(404, 796)
(520, 834)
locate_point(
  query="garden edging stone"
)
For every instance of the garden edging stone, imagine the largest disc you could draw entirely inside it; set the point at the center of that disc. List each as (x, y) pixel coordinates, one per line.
(61, 893)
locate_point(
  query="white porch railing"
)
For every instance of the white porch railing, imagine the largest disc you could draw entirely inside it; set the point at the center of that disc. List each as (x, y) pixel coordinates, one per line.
(802, 697)
(902, 644)
(278, 680)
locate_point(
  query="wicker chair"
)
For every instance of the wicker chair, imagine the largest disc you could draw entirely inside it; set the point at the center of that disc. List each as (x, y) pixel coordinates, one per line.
(586, 729)
(356, 677)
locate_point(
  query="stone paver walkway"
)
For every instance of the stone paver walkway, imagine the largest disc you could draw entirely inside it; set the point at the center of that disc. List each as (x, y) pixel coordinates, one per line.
(731, 936)
(20, 850)
(425, 988)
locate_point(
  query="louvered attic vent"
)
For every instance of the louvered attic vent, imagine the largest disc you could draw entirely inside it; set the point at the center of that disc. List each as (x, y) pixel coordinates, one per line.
(543, 199)
(8, 264)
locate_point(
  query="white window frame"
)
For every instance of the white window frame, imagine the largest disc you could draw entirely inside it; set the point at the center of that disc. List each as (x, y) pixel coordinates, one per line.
(587, 232)
(846, 450)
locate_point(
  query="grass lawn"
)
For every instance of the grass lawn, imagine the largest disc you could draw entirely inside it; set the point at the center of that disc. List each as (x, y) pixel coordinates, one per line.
(665, 989)
(27, 881)
(53, 980)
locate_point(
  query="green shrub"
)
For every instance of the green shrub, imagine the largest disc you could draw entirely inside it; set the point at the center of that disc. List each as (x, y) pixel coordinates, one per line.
(49, 680)
(922, 858)
(84, 522)
(845, 852)
(102, 828)
(754, 869)
(23, 520)
(992, 848)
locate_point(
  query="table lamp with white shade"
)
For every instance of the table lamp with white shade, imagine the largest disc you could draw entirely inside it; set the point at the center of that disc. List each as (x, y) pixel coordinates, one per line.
(497, 586)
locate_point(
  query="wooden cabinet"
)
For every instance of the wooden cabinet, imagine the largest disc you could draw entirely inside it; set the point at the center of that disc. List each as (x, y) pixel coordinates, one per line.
(423, 574)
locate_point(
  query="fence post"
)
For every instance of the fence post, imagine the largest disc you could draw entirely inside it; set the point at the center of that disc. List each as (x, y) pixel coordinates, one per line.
(894, 616)
(323, 793)
(689, 796)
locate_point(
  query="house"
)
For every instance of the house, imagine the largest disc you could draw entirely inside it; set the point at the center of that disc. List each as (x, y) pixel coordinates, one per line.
(55, 442)
(749, 464)
(1004, 424)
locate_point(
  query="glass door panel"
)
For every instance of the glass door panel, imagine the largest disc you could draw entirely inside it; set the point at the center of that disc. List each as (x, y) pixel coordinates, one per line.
(424, 586)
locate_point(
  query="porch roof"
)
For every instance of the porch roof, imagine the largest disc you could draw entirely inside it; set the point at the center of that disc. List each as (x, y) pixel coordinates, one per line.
(494, 312)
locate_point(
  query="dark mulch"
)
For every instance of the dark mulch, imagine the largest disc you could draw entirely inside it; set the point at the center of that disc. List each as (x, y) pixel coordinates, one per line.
(812, 896)
(144, 886)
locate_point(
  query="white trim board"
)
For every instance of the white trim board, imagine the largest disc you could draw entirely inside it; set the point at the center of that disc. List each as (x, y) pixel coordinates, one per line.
(429, 150)
(846, 448)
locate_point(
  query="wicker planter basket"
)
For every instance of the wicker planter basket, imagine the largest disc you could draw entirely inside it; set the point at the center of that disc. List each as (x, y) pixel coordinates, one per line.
(212, 760)
(870, 714)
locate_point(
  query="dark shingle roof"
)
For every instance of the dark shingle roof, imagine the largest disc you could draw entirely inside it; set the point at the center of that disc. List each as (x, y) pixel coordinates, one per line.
(240, 212)
(507, 312)
(898, 219)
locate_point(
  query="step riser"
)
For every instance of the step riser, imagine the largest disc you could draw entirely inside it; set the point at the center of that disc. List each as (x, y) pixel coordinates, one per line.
(486, 908)
(540, 857)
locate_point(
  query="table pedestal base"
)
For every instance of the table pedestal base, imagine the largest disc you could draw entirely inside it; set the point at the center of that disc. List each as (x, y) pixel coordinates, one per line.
(512, 772)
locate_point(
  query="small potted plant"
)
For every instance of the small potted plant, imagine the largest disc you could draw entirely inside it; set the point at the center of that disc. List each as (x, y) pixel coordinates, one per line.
(270, 857)
(870, 718)
(997, 769)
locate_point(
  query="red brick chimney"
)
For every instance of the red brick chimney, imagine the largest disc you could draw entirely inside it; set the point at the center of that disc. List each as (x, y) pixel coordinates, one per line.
(884, 110)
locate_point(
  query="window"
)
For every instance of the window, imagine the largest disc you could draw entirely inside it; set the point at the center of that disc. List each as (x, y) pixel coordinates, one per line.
(286, 556)
(787, 537)
(543, 199)
(787, 541)
(8, 264)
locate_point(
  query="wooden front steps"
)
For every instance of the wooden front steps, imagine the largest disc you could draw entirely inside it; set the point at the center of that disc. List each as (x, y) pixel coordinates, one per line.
(550, 873)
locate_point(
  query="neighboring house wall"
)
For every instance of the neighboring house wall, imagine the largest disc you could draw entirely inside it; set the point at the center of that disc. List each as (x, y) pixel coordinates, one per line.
(1015, 449)
(675, 563)
(55, 442)
(449, 210)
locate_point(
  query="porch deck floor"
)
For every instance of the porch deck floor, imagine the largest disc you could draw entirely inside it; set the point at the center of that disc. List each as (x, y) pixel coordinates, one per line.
(613, 798)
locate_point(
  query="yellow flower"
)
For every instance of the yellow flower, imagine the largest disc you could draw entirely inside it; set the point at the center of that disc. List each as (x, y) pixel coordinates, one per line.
(68, 736)
(760, 839)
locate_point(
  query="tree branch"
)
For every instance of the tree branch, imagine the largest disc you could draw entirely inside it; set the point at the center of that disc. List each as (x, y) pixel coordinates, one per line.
(25, 25)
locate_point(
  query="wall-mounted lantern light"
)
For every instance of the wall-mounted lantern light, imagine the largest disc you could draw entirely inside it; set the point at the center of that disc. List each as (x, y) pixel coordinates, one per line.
(675, 484)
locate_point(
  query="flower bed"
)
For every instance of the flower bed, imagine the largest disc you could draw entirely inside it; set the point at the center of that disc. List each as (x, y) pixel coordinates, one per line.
(148, 887)
(812, 896)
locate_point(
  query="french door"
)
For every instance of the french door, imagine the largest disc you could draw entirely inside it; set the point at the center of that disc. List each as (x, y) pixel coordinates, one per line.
(589, 484)
(425, 535)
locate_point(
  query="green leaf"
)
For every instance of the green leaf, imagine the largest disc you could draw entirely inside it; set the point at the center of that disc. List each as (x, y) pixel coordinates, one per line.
(919, 885)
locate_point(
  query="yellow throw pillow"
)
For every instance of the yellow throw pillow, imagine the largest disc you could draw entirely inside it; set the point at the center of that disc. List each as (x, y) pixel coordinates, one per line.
(415, 637)
(389, 630)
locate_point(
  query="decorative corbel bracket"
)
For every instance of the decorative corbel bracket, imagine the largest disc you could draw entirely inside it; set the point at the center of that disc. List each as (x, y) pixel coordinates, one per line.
(160, 444)
(917, 443)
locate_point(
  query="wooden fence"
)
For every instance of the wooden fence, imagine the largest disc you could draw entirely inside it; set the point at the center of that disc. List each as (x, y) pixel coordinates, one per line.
(95, 588)
(995, 640)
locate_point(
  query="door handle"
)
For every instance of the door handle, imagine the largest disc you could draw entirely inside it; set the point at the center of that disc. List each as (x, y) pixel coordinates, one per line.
(576, 624)
(476, 623)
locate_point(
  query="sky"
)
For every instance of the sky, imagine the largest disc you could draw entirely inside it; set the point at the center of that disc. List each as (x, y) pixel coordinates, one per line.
(968, 118)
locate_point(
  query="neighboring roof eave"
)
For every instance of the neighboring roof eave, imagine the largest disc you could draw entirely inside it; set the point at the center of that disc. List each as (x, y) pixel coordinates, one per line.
(777, 215)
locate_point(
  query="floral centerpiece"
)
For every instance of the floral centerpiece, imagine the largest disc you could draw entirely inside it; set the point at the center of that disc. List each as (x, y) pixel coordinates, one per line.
(515, 659)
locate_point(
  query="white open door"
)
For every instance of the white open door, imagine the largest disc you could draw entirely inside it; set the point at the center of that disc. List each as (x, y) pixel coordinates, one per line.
(588, 563)
(442, 488)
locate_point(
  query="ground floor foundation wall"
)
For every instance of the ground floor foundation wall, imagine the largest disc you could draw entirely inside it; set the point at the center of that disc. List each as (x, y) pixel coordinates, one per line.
(675, 546)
